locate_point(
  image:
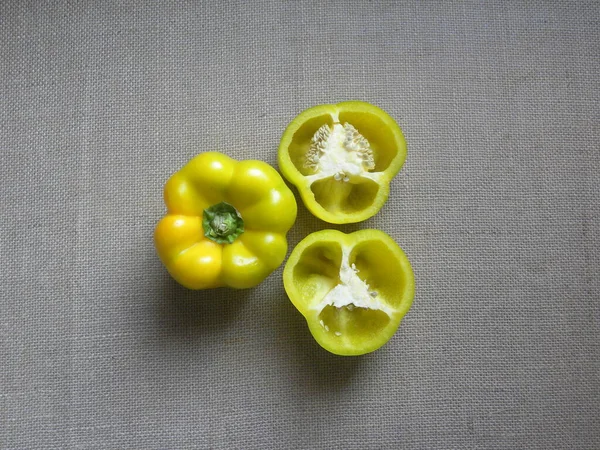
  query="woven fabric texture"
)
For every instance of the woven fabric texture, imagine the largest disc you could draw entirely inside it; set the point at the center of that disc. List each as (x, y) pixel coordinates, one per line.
(496, 207)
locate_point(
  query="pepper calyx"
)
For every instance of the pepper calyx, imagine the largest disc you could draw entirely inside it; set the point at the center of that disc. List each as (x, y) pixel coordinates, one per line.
(222, 223)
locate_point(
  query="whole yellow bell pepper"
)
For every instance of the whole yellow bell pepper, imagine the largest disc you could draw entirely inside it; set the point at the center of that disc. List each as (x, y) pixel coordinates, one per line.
(226, 222)
(342, 158)
(352, 289)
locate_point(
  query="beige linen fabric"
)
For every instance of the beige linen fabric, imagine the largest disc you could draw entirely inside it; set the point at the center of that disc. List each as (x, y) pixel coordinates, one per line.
(496, 207)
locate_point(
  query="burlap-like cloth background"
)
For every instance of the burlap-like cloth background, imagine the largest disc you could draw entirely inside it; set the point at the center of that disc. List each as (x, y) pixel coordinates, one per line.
(497, 208)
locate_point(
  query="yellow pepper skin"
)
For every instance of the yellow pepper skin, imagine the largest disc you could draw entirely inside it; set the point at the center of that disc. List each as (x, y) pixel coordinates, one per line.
(341, 158)
(226, 222)
(352, 289)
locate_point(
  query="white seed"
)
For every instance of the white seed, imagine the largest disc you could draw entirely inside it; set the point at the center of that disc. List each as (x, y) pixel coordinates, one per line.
(321, 322)
(326, 328)
(317, 147)
(355, 142)
(337, 333)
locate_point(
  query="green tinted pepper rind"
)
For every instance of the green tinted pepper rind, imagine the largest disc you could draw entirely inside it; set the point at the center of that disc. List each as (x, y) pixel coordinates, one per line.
(325, 339)
(294, 176)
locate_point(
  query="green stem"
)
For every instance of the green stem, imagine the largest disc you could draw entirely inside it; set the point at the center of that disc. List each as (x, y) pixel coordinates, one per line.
(222, 223)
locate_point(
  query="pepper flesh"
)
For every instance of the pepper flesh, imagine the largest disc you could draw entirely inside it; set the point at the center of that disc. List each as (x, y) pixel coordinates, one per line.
(352, 289)
(341, 158)
(252, 191)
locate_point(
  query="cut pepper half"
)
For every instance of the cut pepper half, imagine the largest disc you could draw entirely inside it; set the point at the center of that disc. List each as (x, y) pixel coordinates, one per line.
(341, 158)
(352, 289)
